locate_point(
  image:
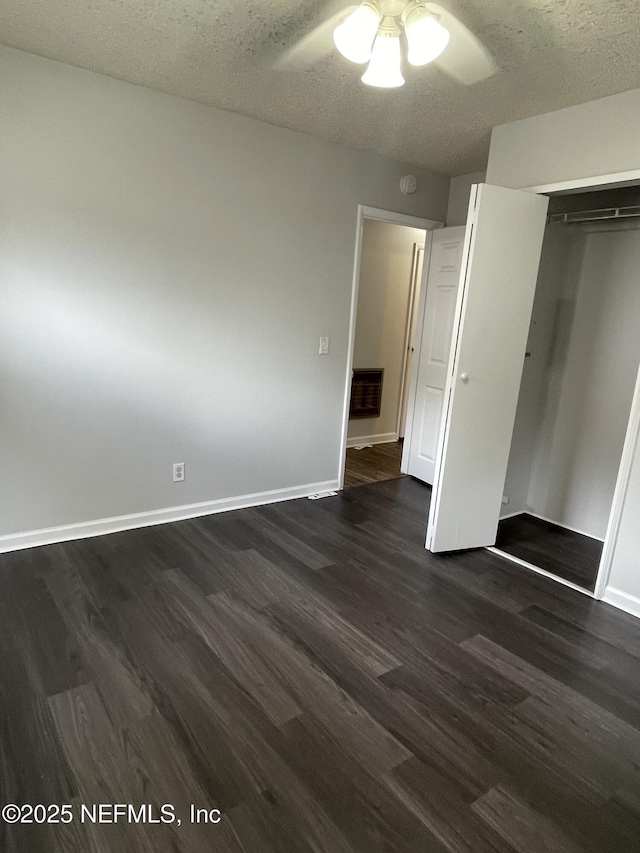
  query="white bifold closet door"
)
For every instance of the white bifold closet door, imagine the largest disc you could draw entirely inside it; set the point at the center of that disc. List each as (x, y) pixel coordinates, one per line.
(500, 262)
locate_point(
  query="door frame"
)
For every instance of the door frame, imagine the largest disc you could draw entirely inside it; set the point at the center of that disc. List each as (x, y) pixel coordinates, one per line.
(379, 215)
(632, 437)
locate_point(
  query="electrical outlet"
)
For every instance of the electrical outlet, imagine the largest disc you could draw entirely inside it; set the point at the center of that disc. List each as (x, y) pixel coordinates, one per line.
(505, 500)
(178, 472)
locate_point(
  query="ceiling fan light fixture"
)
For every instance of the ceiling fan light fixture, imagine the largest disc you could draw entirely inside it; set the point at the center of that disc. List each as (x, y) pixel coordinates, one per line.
(354, 36)
(385, 67)
(426, 37)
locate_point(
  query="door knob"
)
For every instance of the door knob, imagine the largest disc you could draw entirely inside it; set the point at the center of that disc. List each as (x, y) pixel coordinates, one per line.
(464, 377)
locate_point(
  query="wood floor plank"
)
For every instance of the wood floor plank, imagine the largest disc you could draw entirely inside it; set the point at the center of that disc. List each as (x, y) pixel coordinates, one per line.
(622, 665)
(369, 596)
(436, 801)
(520, 825)
(317, 625)
(229, 636)
(292, 545)
(425, 733)
(261, 582)
(313, 689)
(562, 698)
(100, 768)
(34, 767)
(105, 659)
(255, 747)
(367, 811)
(597, 761)
(160, 765)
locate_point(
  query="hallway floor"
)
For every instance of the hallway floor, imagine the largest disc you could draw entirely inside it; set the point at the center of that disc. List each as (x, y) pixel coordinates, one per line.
(373, 464)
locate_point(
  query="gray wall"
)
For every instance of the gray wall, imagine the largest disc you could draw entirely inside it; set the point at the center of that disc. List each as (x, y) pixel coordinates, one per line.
(592, 139)
(166, 270)
(588, 140)
(459, 193)
(381, 325)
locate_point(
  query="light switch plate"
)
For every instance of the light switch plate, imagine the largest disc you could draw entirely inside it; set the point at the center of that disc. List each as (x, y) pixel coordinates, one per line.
(324, 346)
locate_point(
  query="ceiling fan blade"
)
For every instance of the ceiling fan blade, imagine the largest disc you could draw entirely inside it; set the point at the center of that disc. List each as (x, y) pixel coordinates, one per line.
(465, 59)
(317, 43)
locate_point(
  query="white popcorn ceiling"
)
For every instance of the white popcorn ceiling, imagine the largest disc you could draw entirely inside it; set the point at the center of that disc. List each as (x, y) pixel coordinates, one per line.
(551, 54)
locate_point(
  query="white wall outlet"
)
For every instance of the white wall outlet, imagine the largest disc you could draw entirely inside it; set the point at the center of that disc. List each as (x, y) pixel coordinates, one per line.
(324, 346)
(178, 472)
(505, 500)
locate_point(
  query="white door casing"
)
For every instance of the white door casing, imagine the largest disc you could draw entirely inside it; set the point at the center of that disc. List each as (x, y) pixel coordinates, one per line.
(437, 311)
(503, 241)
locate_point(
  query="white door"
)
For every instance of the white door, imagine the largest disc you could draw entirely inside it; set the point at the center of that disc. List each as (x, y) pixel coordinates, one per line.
(438, 306)
(502, 248)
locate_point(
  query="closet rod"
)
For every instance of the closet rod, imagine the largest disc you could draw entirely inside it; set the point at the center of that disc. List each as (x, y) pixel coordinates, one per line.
(595, 215)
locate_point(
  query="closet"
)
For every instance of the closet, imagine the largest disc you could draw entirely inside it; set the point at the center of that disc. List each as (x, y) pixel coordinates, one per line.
(541, 404)
(577, 386)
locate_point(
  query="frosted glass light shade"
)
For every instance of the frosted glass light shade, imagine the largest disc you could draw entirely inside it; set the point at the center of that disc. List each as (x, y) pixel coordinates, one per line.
(384, 70)
(354, 37)
(426, 37)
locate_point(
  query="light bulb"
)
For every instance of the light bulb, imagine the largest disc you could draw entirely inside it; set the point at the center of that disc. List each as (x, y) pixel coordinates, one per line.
(384, 70)
(355, 35)
(426, 37)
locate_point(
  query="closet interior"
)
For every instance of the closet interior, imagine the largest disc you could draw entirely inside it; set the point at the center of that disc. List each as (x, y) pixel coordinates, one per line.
(577, 386)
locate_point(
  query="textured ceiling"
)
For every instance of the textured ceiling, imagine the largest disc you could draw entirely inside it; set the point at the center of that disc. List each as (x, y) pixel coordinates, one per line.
(551, 54)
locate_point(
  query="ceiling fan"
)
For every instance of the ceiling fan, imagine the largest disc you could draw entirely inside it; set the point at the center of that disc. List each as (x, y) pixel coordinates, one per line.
(390, 35)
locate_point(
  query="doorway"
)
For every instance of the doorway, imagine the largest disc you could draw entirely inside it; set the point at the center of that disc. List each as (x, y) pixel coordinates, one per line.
(388, 271)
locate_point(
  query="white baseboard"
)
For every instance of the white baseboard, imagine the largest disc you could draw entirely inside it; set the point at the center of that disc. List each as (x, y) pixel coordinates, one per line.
(512, 514)
(382, 438)
(561, 524)
(622, 600)
(102, 526)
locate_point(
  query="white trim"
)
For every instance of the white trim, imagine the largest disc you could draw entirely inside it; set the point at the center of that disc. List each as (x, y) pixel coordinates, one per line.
(381, 438)
(550, 521)
(539, 571)
(512, 515)
(601, 181)
(561, 524)
(400, 218)
(350, 346)
(631, 440)
(380, 215)
(622, 600)
(102, 526)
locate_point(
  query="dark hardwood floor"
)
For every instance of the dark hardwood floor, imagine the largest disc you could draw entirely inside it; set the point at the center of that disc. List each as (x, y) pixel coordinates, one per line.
(308, 669)
(373, 464)
(562, 552)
